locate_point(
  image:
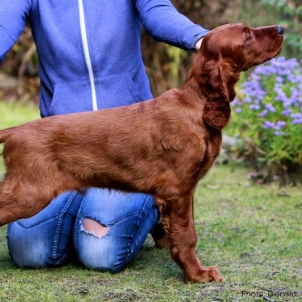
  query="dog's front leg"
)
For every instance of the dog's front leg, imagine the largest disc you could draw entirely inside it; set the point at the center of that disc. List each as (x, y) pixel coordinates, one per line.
(182, 242)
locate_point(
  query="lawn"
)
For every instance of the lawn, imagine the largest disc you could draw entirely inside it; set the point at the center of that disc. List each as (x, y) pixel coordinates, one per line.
(252, 233)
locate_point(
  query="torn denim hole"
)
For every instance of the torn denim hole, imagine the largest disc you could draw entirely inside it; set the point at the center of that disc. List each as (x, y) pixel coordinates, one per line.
(96, 224)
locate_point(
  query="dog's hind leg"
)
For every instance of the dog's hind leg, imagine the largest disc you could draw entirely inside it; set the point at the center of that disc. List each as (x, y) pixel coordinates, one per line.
(20, 200)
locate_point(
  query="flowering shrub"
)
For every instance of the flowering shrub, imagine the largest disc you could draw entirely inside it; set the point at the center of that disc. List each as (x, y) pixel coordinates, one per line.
(267, 116)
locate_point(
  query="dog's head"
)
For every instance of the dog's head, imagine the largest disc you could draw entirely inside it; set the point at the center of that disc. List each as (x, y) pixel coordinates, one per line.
(225, 52)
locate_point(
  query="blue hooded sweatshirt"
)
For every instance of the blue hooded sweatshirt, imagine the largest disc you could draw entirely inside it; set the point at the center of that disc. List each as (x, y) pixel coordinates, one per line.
(89, 50)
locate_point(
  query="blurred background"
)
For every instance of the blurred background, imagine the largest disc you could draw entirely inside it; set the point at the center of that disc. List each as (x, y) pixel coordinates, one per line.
(166, 66)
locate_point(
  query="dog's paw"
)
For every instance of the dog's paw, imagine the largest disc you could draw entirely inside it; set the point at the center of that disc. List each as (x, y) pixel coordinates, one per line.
(205, 274)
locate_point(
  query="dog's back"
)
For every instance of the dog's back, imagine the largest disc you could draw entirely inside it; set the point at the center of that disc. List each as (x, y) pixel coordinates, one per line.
(134, 148)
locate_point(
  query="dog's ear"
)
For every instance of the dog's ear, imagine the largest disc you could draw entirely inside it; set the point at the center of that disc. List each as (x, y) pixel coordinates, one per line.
(217, 114)
(221, 81)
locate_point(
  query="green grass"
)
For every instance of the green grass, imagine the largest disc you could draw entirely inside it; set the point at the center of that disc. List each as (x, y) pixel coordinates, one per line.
(14, 113)
(252, 233)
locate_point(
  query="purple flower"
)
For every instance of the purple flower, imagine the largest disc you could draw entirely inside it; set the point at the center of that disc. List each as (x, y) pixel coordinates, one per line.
(286, 112)
(296, 115)
(236, 102)
(279, 79)
(287, 103)
(247, 100)
(255, 106)
(268, 125)
(291, 78)
(279, 133)
(297, 121)
(274, 90)
(279, 125)
(263, 113)
(270, 107)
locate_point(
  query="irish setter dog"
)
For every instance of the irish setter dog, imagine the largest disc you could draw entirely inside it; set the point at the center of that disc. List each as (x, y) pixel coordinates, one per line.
(161, 147)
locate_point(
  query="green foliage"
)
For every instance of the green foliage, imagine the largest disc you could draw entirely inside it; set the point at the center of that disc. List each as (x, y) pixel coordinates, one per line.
(267, 117)
(16, 113)
(290, 15)
(175, 56)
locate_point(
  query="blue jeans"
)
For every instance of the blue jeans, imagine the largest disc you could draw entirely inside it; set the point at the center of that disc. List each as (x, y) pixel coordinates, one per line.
(48, 238)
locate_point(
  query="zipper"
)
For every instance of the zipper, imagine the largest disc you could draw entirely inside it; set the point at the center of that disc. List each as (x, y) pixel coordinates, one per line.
(87, 55)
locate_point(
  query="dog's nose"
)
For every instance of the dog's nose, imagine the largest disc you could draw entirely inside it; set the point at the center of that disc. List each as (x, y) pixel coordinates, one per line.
(280, 30)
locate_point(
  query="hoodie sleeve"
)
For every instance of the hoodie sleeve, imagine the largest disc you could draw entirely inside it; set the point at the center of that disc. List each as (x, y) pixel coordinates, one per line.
(13, 16)
(164, 23)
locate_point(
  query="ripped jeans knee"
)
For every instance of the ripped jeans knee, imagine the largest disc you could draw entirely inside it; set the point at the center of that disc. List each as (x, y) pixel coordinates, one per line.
(111, 238)
(94, 228)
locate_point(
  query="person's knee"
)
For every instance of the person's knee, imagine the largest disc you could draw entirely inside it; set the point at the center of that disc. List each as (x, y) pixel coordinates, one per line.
(95, 227)
(23, 255)
(109, 264)
(95, 251)
(30, 251)
(111, 245)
